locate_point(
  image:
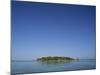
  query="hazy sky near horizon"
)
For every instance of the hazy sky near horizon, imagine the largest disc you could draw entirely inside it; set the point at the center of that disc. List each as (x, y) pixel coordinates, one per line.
(40, 29)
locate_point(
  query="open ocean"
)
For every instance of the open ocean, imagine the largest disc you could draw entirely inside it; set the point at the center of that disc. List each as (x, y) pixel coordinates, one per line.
(25, 67)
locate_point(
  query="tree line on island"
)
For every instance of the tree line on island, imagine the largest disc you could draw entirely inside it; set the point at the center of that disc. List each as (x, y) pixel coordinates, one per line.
(56, 59)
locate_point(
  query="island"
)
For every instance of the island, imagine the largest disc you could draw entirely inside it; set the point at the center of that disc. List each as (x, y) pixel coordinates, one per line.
(56, 59)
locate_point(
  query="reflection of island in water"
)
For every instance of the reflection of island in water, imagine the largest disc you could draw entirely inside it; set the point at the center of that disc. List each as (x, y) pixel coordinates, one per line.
(56, 59)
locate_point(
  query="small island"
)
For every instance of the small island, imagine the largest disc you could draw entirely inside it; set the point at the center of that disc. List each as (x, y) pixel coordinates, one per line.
(56, 59)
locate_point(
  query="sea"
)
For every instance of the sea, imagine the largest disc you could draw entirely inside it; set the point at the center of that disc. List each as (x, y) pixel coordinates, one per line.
(34, 66)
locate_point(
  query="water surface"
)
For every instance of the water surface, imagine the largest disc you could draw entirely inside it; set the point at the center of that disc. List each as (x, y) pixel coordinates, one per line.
(23, 67)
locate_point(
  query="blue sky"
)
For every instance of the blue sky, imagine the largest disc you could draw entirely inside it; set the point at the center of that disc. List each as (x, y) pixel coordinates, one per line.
(41, 29)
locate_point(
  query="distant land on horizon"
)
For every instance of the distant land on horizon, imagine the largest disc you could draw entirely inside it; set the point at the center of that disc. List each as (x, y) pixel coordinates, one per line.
(49, 56)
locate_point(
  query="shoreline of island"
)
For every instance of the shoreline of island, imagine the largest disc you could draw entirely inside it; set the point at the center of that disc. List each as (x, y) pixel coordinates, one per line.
(56, 59)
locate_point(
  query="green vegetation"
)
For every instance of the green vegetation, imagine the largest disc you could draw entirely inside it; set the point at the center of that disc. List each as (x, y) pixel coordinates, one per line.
(55, 59)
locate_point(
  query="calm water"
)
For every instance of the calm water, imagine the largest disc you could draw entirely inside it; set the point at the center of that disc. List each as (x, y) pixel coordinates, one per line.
(22, 67)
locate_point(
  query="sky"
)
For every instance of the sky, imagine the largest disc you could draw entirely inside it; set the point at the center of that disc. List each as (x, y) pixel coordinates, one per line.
(48, 29)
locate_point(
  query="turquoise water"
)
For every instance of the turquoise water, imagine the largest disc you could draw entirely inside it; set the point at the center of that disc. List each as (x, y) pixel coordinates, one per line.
(23, 67)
